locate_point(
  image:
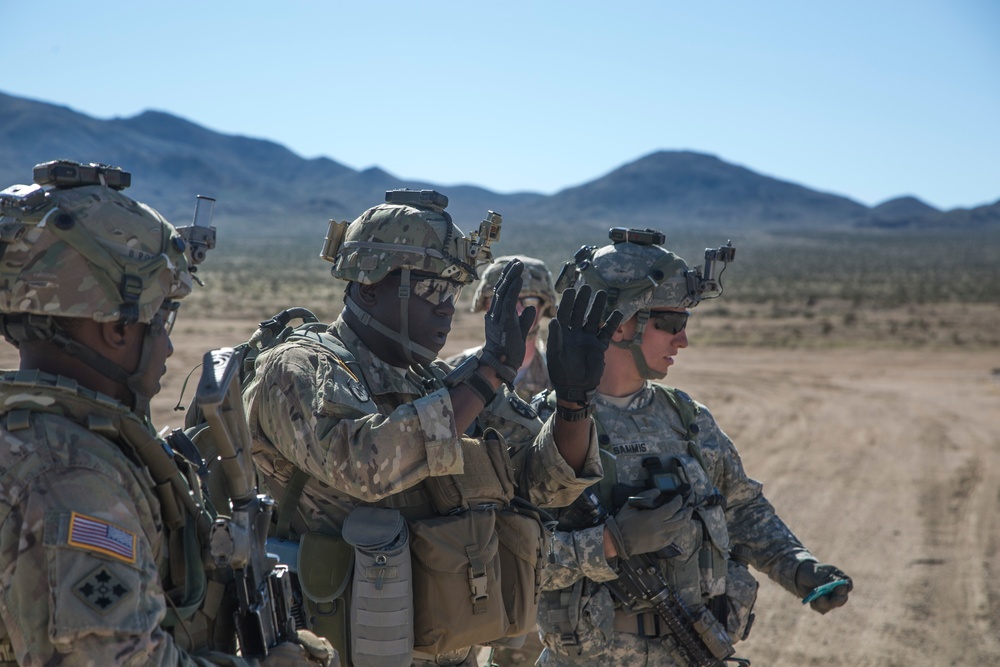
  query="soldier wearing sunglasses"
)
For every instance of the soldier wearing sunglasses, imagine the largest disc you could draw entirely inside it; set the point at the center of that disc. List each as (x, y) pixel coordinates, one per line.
(674, 491)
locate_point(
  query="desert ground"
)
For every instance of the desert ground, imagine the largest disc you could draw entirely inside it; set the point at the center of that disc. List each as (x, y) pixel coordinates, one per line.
(885, 460)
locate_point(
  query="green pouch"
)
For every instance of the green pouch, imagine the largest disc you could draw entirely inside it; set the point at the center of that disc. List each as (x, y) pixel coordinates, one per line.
(325, 565)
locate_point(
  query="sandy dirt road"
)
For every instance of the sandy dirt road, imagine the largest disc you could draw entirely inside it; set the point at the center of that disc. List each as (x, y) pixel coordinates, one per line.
(886, 463)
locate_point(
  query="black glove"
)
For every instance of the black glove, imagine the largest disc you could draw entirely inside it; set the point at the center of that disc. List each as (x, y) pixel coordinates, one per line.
(811, 574)
(505, 330)
(647, 525)
(577, 341)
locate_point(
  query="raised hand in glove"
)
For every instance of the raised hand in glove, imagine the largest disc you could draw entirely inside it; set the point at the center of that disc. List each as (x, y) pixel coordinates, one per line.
(645, 525)
(308, 650)
(506, 332)
(577, 341)
(811, 575)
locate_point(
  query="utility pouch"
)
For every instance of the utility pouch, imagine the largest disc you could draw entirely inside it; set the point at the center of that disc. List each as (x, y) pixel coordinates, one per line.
(456, 582)
(382, 588)
(324, 567)
(486, 481)
(522, 547)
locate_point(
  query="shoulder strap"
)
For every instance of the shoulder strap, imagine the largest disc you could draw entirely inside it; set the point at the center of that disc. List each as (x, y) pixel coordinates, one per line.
(685, 407)
(688, 411)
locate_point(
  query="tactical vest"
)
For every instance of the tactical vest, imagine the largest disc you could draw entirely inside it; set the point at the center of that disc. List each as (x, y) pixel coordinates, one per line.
(476, 550)
(643, 456)
(647, 457)
(199, 614)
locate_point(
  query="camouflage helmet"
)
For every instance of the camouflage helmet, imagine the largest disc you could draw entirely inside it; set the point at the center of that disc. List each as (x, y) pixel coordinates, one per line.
(87, 252)
(537, 282)
(638, 277)
(410, 231)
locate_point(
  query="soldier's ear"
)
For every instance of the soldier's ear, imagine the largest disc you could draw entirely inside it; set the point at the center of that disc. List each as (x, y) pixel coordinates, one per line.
(114, 334)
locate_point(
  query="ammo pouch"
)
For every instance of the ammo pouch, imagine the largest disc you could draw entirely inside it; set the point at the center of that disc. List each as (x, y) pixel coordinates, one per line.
(456, 582)
(477, 567)
(382, 588)
(324, 569)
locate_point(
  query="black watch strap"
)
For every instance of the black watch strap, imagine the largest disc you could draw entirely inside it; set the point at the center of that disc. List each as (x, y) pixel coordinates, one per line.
(574, 415)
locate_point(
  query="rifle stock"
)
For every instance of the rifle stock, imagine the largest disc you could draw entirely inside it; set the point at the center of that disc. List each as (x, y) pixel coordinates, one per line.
(263, 587)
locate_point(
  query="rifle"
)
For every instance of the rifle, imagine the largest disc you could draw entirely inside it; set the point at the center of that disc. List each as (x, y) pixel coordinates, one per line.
(263, 587)
(700, 638)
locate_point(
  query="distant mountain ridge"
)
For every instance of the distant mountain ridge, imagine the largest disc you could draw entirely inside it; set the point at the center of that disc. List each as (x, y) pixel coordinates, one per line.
(267, 187)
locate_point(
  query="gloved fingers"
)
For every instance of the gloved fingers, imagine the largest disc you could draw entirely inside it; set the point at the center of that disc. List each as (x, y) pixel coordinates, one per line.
(526, 320)
(596, 313)
(564, 313)
(553, 345)
(610, 327)
(319, 648)
(502, 290)
(580, 305)
(836, 598)
(672, 506)
(645, 500)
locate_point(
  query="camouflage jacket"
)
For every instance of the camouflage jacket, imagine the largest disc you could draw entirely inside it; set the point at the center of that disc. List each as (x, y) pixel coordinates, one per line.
(747, 526)
(373, 438)
(529, 381)
(82, 549)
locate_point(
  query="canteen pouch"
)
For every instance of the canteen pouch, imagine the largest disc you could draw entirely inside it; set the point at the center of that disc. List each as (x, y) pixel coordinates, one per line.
(456, 582)
(324, 564)
(522, 546)
(382, 588)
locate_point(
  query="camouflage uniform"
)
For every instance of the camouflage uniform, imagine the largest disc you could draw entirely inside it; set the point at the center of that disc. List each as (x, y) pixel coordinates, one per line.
(537, 283)
(90, 572)
(369, 433)
(372, 437)
(658, 432)
(82, 537)
(650, 426)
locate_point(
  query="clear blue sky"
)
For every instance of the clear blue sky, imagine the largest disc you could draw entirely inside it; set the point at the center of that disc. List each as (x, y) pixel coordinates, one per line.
(863, 98)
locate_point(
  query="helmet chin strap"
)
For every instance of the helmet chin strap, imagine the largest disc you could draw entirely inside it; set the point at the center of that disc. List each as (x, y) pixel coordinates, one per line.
(108, 368)
(134, 381)
(402, 337)
(634, 345)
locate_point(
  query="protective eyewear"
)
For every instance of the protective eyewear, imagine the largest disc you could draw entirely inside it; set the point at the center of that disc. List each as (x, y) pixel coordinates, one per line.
(437, 290)
(669, 320)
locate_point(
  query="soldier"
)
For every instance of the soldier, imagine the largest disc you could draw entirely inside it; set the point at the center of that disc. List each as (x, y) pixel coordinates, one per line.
(366, 440)
(674, 489)
(537, 290)
(100, 521)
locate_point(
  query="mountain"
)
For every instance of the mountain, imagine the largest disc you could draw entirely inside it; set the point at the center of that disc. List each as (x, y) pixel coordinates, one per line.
(681, 187)
(267, 189)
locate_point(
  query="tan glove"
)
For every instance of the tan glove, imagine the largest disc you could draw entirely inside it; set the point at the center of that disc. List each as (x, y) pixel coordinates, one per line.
(642, 527)
(309, 650)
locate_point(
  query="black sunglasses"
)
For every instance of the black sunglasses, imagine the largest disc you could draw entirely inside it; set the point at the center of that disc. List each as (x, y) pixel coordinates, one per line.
(669, 320)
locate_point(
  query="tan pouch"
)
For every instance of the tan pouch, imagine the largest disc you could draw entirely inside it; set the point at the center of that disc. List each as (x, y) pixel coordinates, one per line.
(522, 548)
(456, 582)
(325, 564)
(486, 480)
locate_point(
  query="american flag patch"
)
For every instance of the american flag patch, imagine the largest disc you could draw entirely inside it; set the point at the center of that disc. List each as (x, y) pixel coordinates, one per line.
(93, 534)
